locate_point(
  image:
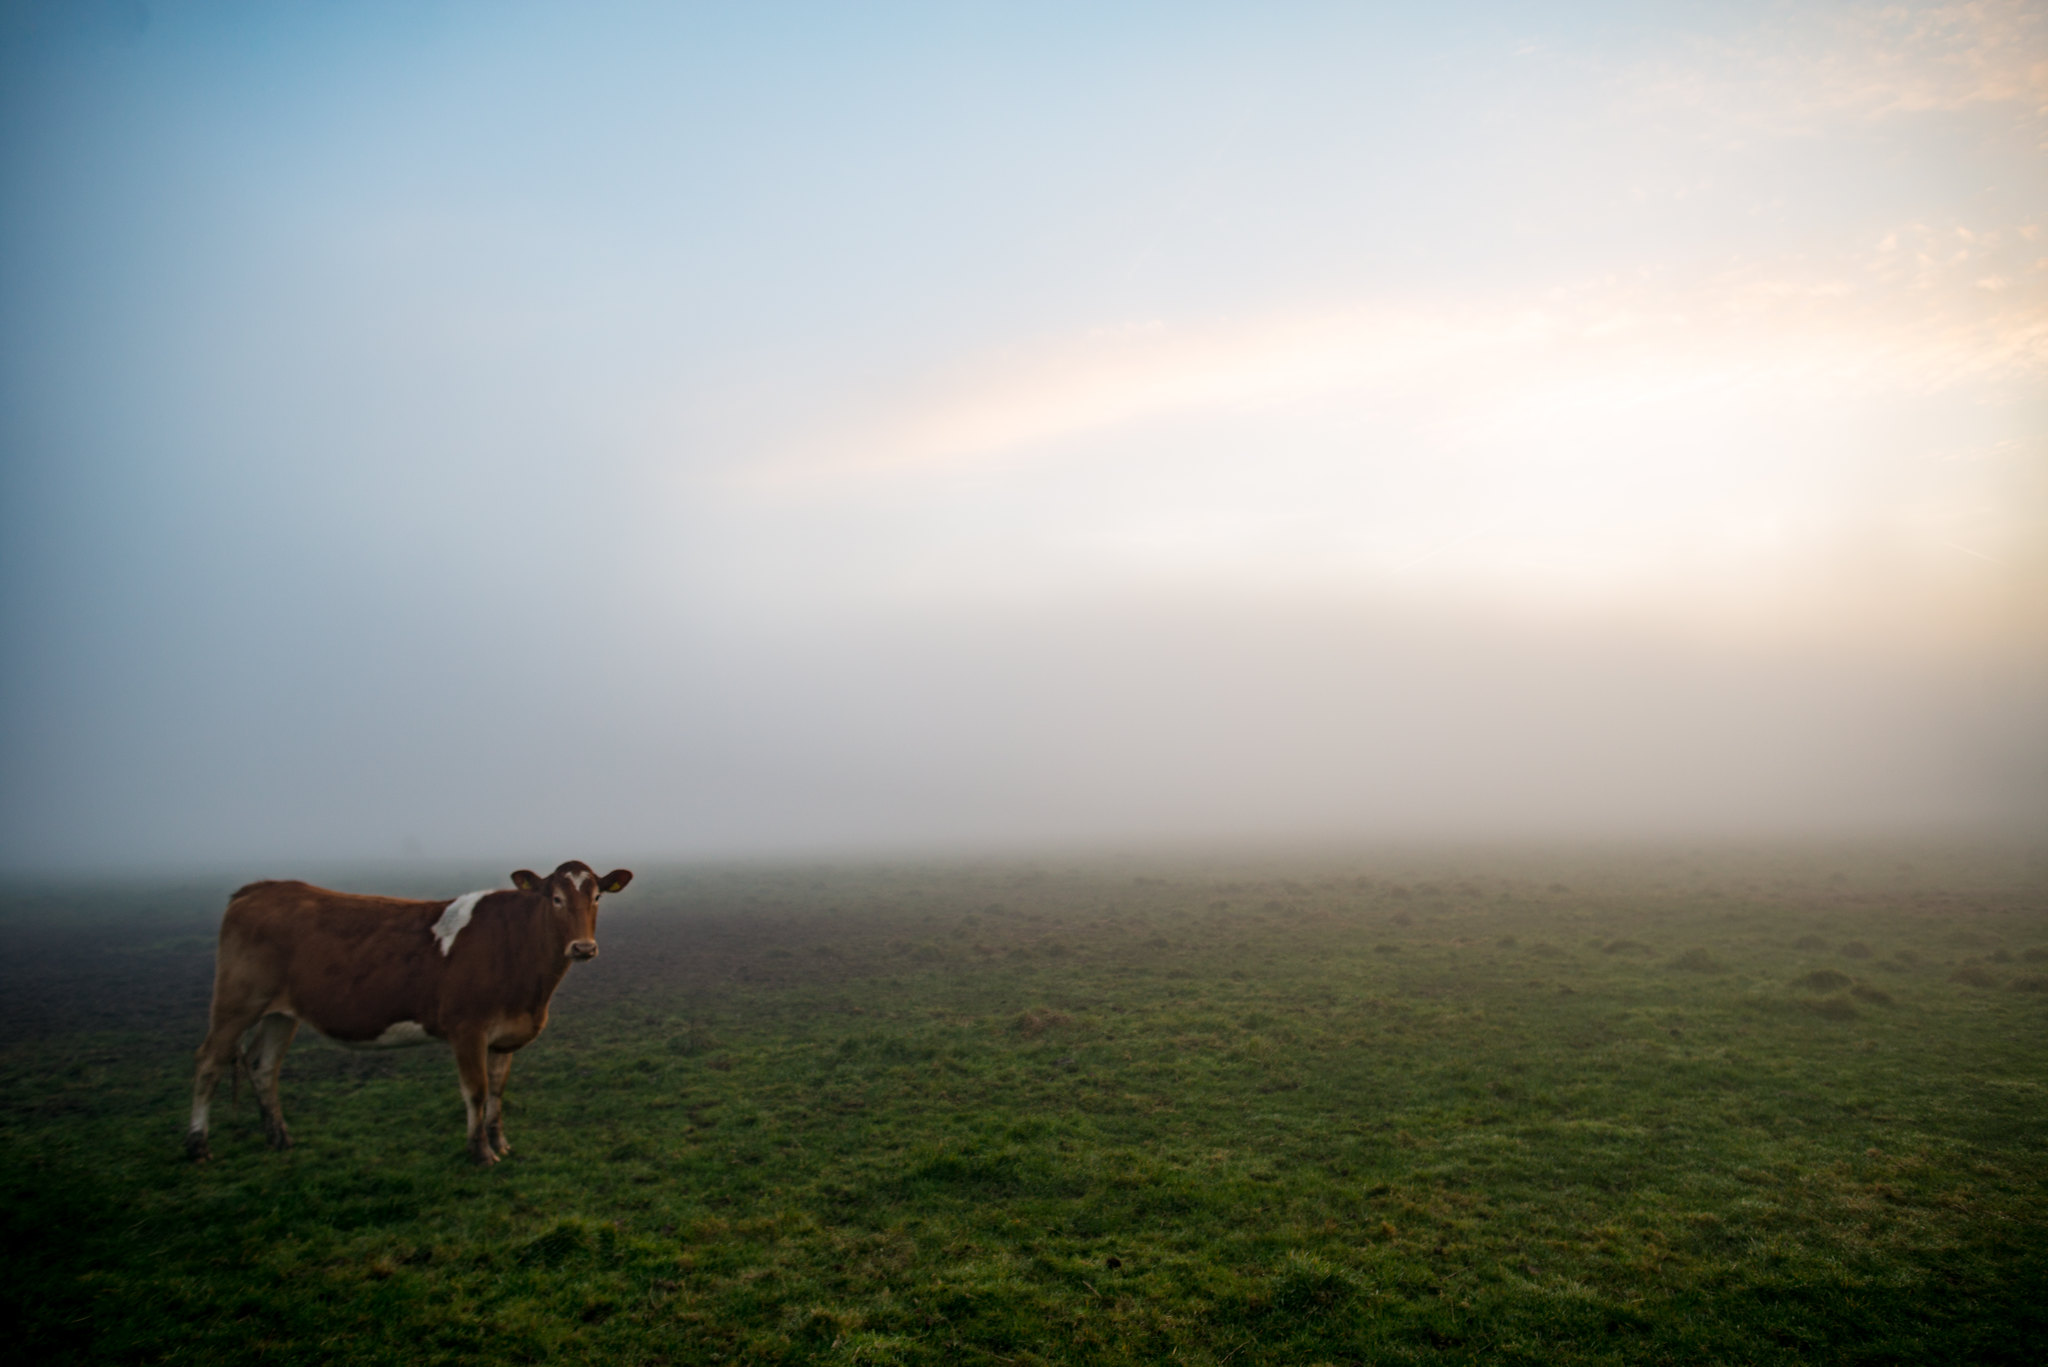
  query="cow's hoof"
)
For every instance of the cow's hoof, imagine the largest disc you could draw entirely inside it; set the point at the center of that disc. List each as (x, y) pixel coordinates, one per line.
(484, 1157)
(195, 1148)
(279, 1139)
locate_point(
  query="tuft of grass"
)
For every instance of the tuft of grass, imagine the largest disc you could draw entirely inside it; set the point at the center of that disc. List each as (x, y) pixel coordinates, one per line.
(1856, 949)
(1876, 996)
(566, 1238)
(2029, 982)
(1823, 980)
(1699, 961)
(1305, 1284)
(1973, 975)
(1035, 1022)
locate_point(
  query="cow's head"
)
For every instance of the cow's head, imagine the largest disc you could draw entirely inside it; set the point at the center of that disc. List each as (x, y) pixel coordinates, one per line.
(572, 892)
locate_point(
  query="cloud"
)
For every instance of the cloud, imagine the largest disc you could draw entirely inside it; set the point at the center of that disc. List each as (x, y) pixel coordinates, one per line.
(1795, 447)
(1812, 66)
(1031, 395)
(1927, 309)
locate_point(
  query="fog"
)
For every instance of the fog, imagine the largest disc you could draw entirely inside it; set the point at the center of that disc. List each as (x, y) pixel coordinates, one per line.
(463, 432)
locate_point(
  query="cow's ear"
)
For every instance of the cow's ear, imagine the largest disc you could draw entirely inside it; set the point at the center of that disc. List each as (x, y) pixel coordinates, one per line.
(526, 880)
(616, 880)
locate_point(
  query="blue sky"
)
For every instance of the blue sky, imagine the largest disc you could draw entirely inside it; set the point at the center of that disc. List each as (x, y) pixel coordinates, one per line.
(691, 430)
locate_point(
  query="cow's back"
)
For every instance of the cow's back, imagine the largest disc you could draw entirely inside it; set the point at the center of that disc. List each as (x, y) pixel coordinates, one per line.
(348, 965)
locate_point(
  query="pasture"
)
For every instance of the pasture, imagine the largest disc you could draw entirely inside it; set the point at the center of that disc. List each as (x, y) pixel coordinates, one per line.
(1425, 1106)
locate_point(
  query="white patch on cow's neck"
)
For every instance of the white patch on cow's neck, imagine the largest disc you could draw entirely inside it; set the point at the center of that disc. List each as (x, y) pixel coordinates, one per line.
(455, 918)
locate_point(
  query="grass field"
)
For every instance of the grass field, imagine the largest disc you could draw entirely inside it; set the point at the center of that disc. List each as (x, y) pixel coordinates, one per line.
(1641, 1106)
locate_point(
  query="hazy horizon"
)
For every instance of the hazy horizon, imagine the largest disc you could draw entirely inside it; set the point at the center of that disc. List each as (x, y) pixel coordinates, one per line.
(435, 432)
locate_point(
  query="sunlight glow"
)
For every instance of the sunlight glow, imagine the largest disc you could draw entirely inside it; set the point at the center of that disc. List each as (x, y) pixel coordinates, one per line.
(1741, 434)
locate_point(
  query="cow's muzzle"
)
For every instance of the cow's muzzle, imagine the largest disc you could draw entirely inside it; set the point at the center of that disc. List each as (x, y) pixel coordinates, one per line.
(582, 949)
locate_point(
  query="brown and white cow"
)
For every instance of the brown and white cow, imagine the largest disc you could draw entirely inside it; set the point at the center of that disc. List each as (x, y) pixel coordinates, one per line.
(476, 971)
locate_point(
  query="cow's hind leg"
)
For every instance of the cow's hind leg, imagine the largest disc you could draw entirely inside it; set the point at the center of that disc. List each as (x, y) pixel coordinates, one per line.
(471, 1062)
(216, 1055)
(494, 1119)
(265, 1052)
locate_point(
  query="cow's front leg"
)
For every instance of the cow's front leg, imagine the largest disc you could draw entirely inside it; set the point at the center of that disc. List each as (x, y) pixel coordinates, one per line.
(472, 1063)
(494, 1120)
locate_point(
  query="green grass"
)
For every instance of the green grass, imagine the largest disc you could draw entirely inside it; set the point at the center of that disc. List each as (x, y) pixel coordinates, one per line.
(1713, 1107)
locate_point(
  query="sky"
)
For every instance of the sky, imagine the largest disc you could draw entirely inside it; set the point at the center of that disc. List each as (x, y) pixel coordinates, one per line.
(462, 430)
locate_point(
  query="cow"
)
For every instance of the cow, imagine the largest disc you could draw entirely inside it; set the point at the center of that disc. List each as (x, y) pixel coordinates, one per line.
(476, 970)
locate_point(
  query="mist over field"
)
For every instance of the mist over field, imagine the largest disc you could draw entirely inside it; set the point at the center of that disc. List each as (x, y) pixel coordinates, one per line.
(461, 432)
